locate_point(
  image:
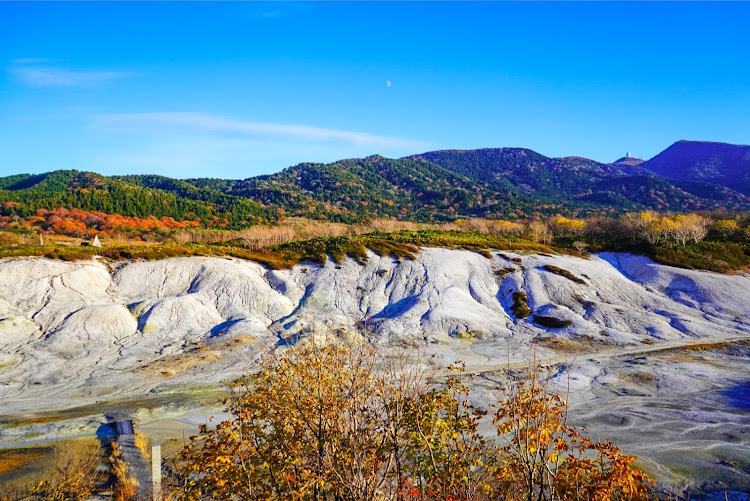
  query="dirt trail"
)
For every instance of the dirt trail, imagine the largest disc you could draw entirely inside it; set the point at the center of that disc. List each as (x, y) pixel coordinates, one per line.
(138, 467)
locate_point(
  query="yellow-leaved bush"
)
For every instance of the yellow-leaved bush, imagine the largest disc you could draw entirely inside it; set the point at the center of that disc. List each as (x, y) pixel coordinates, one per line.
(354, 422)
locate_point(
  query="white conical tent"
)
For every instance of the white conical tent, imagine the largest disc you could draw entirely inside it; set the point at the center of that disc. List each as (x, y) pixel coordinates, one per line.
(96, 242)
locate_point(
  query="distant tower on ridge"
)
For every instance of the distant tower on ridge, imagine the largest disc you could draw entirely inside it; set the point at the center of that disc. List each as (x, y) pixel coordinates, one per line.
(628, 155)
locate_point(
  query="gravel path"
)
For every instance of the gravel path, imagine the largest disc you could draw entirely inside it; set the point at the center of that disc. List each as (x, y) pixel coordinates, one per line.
(138, 467)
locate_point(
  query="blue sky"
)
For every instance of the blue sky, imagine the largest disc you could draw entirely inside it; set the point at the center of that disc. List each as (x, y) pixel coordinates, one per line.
(239, 89)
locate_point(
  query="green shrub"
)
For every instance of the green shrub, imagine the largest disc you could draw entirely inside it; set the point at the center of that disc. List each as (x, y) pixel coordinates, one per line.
(722, 257)
(520, 308)
(551, 322)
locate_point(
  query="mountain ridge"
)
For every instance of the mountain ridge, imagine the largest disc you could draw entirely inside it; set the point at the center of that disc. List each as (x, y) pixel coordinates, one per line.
(719, 163)
(439, 185)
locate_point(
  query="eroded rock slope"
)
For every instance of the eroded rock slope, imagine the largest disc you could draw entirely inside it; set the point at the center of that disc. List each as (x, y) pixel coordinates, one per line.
(91, 336)
(87, 330)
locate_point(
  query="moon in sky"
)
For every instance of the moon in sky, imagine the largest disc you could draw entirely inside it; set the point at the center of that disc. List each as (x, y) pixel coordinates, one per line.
(387, 83)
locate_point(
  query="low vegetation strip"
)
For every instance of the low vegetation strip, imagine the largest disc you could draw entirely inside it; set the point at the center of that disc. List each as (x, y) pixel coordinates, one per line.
(719, 243)
(401, 245)
(563, 273)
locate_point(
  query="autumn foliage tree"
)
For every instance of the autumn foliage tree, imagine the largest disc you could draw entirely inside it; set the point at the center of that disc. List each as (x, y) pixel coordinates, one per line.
(545, 458)
(448, 456)
(352, 422)
(314, 423)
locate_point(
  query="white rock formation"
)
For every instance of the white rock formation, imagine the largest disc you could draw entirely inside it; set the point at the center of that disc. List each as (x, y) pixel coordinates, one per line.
(66, 327)
(74, 334)
(69, 327)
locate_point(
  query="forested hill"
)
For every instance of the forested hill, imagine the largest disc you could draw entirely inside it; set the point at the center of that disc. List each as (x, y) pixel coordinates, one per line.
(717, 163)
(357, 189)
(526, 170)
(138, 196)
(436, 186)
(579, 183)
(500, 182)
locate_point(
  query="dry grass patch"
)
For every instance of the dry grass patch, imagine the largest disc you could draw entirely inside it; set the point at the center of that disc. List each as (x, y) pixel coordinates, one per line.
(16, 459)
(501, 273)
(579, 344)
(562, 344)
(141, 442)
(690, 357)
(176, 364)
(242, 340)
(126, 486)
(707, 346)
(638, 377)
(51, 471)
(697, 347)
(563, 273)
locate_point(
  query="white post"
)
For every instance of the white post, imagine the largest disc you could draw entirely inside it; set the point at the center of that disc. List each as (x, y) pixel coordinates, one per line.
(156, 470)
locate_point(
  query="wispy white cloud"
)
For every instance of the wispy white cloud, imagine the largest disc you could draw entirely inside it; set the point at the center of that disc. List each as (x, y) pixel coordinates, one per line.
(205, 124)
(38, 73)
(33, 60)
(269, 14)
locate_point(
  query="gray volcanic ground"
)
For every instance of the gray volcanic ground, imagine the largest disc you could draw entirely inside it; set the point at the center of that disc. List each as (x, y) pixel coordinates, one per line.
(657, 356)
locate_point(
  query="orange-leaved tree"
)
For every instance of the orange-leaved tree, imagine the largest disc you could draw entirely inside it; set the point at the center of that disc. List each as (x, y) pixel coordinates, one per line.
(448, 456)
(353, 422)
(314, 422)
(547, 459)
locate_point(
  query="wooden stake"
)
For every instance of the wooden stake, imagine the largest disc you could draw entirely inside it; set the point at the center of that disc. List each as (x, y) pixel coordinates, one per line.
(156, 470)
